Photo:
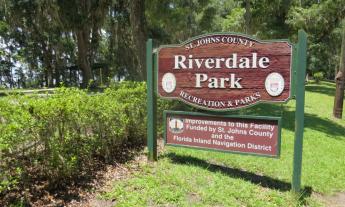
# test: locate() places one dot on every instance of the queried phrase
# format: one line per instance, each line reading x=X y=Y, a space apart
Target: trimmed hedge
x=59 y=135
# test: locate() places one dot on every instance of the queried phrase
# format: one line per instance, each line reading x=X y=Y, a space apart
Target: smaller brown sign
x=248 y=135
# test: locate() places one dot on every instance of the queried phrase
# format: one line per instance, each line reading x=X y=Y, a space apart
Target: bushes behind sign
x=61 y=134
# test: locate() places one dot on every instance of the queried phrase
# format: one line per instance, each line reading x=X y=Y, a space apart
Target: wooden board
x=245 y=135
x=230 y=83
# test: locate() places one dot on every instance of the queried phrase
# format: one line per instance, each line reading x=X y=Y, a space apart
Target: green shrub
x=61 y=134
x=318 y=76
x=132 y=96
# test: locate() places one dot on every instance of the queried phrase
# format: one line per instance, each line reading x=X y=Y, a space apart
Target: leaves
x=63 y=132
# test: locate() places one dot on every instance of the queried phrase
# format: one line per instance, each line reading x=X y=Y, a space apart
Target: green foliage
x=132 y=95
x=234 y=22
x=323 y=23
x=9 y=178
x=44 y=38
x=176 y=21
x=318 y=76
x=59 y=135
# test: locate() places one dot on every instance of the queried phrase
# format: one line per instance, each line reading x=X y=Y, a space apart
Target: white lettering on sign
x=217 y=39
x=246 y=135
x=216 y=104
x=231 y=82
x=232 y=62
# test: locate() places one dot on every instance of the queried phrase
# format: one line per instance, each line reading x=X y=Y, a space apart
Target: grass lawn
x=187 y=177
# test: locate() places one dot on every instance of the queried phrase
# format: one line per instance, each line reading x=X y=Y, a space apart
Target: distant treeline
x=91 y=43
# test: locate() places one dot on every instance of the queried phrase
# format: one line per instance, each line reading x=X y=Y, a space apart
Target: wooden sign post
x=301 y=64
x=224 y=72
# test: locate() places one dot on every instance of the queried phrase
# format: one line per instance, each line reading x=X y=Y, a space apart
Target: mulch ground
x=80 y=191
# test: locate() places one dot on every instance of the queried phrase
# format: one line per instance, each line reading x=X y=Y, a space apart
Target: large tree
x=84 y=18
x=340 y=82
x=57 y=39
x=139 y=35
x=322 y=21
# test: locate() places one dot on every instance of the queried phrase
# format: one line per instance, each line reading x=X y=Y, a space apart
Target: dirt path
x=336 y=200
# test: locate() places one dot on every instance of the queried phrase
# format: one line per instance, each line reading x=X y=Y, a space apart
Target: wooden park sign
x=225 y=72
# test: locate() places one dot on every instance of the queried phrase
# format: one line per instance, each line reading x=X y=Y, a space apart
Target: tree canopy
x=86 y=42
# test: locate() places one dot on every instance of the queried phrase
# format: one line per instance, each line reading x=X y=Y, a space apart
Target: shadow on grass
x=262 y=180
x=316 y=123
x=320 y=89
x=311 y=121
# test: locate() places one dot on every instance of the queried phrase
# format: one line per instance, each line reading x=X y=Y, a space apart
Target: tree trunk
x=84 y=65
x=49 y=78
x=340 y=82
x=248 y=17
x=57 y=72
x=47 y=59
x=58 y=65
x=138 y=26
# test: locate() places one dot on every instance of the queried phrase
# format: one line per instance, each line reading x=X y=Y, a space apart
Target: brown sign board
x=225 y=71
x=247 y=135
